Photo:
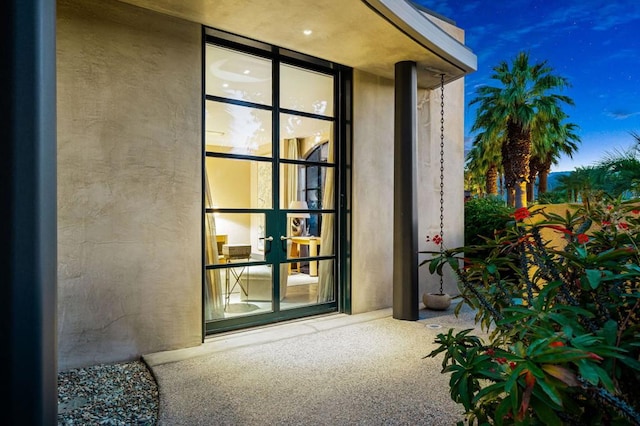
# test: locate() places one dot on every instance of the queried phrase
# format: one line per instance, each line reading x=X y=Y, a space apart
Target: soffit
x=370 y=35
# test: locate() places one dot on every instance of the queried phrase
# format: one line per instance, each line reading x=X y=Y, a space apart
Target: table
x=313 y=243
x=231 y=252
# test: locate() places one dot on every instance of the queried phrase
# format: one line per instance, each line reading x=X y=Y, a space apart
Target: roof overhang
x=370 y=35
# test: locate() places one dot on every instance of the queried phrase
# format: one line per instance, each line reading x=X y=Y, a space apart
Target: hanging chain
x=441 y=173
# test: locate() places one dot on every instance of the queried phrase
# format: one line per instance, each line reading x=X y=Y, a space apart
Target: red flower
x=623 y=225
x=501 y=360
x=491 y=352
x=583 y=238
x=606 y=223
x=437 y=239
x=522 y=213
x=635 y=211
x=512 y=365
x=556 y=344
x=609 y=207
x=595 y=357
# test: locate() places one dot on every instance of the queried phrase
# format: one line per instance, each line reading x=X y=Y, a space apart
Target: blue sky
x=593 y=43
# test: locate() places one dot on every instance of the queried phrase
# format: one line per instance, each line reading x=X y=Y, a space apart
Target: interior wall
x=129 y=182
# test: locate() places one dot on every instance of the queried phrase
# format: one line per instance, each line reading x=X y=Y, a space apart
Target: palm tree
x=548 y=144
x=513 y=109
x=580 y=183
x=484 y=159
x=622 y=169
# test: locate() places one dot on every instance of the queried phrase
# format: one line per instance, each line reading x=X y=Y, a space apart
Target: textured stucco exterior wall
x=428 y=159
x=373 y=152
x=372 y=193
x=129 y=182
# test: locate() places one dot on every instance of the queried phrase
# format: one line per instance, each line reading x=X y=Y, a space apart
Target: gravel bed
x=108 y=394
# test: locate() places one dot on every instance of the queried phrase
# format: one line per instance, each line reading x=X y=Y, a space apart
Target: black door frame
x=275 y=226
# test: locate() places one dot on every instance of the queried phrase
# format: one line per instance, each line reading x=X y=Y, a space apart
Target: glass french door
x=270 y=211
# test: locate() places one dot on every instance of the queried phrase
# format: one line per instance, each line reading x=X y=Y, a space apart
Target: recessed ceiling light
x=307 y=32
x=245 y=72
x=225 y=84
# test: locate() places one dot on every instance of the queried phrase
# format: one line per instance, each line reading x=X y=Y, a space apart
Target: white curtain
x=325 y=268
x=293 y=153
x=291 y=194
x=214 y=302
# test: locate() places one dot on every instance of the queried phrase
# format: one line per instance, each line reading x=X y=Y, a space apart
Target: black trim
x=238 y=156
x=340 y=74
x=307 y=114
x=203 y=165
x=237 y=102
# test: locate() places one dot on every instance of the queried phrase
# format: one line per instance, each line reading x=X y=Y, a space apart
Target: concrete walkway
x=365 y=369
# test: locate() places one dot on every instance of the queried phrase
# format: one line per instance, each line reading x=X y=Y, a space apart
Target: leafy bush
x=552 y=197
x=482 y=216
x=563 y=322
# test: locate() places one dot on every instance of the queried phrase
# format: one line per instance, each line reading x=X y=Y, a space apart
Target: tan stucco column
x=405 y=219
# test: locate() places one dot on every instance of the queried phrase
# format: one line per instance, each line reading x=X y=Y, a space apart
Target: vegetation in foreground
x=564 y=341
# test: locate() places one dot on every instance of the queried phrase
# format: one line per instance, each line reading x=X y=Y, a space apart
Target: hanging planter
x=436 y=301
x=439 y=301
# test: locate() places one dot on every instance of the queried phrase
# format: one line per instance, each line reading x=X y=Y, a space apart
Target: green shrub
x=564 y=322
x=482 y=216
x=552 y=197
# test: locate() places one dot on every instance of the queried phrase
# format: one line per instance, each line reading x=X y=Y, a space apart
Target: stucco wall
x=129 y=182
x=372 y=193
x=372 y=215
x=428 y=159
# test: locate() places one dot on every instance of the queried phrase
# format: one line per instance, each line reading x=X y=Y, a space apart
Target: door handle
x=267 y=248
x=283 y=238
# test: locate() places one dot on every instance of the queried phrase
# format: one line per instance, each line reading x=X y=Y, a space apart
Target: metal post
x=28 y=200
x=405 y=219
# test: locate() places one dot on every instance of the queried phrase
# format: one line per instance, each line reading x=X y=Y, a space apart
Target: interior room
x=240 y=184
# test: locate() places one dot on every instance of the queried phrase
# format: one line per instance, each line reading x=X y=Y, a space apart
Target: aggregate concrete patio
x=365 y=369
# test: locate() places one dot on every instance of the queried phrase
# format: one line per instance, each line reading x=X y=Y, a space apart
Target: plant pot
x=436 y=301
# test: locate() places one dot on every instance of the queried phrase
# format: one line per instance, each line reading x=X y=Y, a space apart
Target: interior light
x=225 y=85
x=307 y=32
x=246 y=72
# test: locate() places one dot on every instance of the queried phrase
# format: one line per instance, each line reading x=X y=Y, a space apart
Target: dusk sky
x=593 y=43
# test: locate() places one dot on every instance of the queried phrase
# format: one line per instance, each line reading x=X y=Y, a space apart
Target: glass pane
x=301 y=135
x=304 y=288
x=305 y=232
x=246 y=290
x=239 y=184
x=305 y=90
x=237 y=236
x=237 y=75
x=315 y=189
x=237 y=129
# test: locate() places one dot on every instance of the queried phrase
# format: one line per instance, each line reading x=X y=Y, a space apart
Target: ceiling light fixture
x=307 y=32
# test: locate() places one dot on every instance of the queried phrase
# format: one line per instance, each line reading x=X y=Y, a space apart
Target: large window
x=271 y=183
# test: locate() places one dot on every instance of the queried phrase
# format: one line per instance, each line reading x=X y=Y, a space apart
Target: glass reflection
x=301 y=135
x=237 y=129
x=306 y=91
x=237 y=75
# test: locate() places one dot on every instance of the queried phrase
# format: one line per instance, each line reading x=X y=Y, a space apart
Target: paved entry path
x=365 y=369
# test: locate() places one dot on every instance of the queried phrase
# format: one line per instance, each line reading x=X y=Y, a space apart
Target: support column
x=28 y=198
x=405 y=218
